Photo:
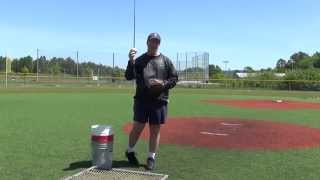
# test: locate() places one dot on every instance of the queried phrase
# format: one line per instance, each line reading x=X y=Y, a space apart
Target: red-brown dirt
x=225 y=133
x=266 y=104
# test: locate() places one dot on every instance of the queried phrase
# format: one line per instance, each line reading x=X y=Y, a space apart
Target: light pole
x=112 y=74
x=134 y=30
x=134 y=23
x=226 y=65
x=37 y=65
x=6 y=70
x=77 y=56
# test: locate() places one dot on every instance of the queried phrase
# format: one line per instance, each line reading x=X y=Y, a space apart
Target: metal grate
x=115 y=174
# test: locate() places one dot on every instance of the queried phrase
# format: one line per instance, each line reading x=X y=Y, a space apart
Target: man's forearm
x=171 y=82
x=173 y=77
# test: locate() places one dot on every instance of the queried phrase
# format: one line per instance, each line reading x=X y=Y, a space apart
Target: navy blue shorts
x=150 y=112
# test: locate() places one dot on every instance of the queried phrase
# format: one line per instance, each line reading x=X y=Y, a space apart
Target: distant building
x=245 y=75
x=280 y=74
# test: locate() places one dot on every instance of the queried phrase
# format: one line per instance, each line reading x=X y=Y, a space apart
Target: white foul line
x=214 y=134
x=227 y=124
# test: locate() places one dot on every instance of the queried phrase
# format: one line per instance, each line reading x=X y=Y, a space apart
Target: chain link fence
x=193 y=66
x=44 y=68
x=78 y=68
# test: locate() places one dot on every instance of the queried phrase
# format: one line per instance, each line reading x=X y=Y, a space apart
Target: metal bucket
x=101 y=146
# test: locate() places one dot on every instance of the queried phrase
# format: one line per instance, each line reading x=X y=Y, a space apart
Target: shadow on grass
x=78 y=165
x=88 y=164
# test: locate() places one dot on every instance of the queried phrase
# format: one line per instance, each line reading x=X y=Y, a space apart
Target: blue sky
x=255 y=33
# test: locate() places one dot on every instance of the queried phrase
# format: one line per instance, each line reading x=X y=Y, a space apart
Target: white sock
x=130 y=149
x=152 y=155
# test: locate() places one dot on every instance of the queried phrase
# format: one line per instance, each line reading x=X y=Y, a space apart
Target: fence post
x=177 y=64
x=112 y=74
x=289 y=85
x=6 y=70
x=186 y=70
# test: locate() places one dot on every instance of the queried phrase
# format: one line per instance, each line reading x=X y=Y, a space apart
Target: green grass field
x=43 y=131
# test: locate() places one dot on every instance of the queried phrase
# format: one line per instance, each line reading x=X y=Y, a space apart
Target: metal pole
x=48 y=67
x=99 y=73
x=202 y=67
x=134 y=23
x=112 y=65
x=208 y=62
x=177 y=59
x=207 y=67
x=178 y=64
x=186 y=66
x=98 y=84
x=179 y=67
x=6 y=71
x=112 y=62
x=77 y=64
x=226 y=65
x=196 y=67
x=37 y=64
x=134 y=30
x=17 y=67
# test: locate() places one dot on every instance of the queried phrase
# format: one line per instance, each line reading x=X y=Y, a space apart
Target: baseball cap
x=154 y=36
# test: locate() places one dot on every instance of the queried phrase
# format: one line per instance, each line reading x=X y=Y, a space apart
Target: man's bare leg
x=153 y=145
x=135 y=134
x=133 y=139
x=154 y=139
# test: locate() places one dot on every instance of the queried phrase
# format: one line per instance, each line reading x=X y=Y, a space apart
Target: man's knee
x=138 y=127
x=154 y=129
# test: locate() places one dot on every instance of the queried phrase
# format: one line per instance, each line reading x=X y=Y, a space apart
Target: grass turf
x=43 y=131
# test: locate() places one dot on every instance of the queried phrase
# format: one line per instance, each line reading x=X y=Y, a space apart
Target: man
x=155 y=75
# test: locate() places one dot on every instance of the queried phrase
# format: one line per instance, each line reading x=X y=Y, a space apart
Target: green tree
x=57 y=65
x=15 y=66
x=281 y=65
x=296 y=57
x=306 y=63
x=26 y=62
x=316 y=60
x=300 y=75
x=248 y=69
x=316 y=54
x=316 y=63
x=290 y=65
x=43 y=65
x=2 y=64
x=55 y=69
x=25 y=72
x=215 y=72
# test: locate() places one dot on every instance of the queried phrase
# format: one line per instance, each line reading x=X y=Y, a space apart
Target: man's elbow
x=128 y=78
x=176 y=79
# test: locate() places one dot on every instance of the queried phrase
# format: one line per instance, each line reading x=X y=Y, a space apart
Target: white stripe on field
x=214 y=134
x=227 y=124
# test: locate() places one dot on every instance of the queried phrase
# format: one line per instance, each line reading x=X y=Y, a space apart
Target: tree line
x=297 y=63
x=301 y=72
x=58 y=66
x=299 y=60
